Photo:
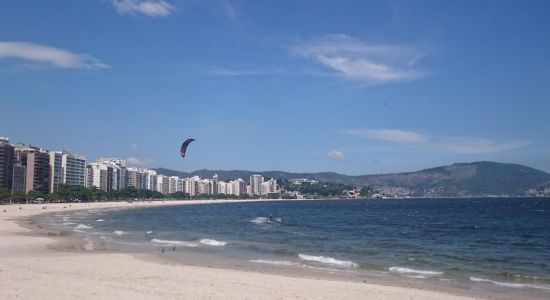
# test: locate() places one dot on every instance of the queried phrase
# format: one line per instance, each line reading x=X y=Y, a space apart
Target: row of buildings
x=25 y=168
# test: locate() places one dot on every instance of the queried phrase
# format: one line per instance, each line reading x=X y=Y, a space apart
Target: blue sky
x=356 y=87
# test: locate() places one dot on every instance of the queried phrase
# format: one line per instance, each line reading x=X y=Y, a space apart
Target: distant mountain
x=459 y=179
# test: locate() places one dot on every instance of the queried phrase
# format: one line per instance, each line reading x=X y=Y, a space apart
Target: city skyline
x=31 y=170
x=362 y=88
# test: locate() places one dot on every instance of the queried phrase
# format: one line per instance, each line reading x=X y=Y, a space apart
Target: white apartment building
x=256 y=184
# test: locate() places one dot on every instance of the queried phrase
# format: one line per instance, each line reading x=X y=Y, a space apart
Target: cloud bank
x=416 y=141
x=51 y=56
x=356 y=60
x=148 y=8
x=135 y=161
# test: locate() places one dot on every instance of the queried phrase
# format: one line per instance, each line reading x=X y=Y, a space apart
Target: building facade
x=37 y=164
x=256 y=184
x=7 y=159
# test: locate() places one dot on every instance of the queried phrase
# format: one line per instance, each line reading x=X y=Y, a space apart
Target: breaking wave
x=274 y=262
x=511 y=284
x=211 y=242
x=328 y=260
x=173 y=242
x=414 y=273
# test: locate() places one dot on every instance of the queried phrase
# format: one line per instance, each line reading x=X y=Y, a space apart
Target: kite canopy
x=183 y=148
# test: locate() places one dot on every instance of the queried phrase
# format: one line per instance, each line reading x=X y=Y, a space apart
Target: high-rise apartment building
x=173 y=184
x=269 y=187
x=37 y=165
x=102 y=176
x=239 y=187
x=7 y=158
x=136 y=178
x=119 y=165
x=19 y=178
x=256 y=184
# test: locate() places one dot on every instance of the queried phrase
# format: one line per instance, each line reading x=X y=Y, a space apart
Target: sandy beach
x=30 y=268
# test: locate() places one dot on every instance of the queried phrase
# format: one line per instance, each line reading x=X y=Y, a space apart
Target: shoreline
x=26 y=249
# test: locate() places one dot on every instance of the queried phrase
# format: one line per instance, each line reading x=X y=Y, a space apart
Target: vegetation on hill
x=461 y=179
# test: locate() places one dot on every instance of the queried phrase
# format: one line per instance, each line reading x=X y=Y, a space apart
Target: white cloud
x=56 y=57
x=335 y=155
x=353 y=59
x=414 y=141
x=138 y=161
x=149 y=8
x=389 y=135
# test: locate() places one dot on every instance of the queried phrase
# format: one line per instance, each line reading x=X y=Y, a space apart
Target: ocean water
x=490 y=242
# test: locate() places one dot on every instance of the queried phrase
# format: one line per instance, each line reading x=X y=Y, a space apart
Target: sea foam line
x=413 y=272
x=328 y=260
x=120 y=232
x=274 y=262
x=511 y=284
x=83 y=226
x=173 y=242
x=211 y=242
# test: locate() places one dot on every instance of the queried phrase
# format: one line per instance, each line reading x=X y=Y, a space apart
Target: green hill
x=459 y=179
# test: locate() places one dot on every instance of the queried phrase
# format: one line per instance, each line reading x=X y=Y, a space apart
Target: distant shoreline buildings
x=25 y=168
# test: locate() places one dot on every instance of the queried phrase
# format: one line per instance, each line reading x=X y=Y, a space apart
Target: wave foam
x=214 y=243
x=510 y=284
x=171 y=242
x=328 y=260
x=99 y=220
x=120 y=232
x=264 y=220
x=412 y=272
x=274 y=262
x=83 y=226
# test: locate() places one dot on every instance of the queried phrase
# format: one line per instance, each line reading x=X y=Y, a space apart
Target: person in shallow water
x=270 y=218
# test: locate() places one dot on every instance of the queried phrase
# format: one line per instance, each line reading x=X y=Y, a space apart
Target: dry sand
x=31 y=269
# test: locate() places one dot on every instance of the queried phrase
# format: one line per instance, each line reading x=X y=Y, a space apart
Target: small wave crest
x=274 y=262
x=173 y=242
x=120 y=232
x=328 y=260
x=83 y=226
x=99 y=220
x=414 y=273
x=511 y=284
x=264 y=220
x=211 y=242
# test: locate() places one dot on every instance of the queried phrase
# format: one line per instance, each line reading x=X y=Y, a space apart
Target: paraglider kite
x=183 y=148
